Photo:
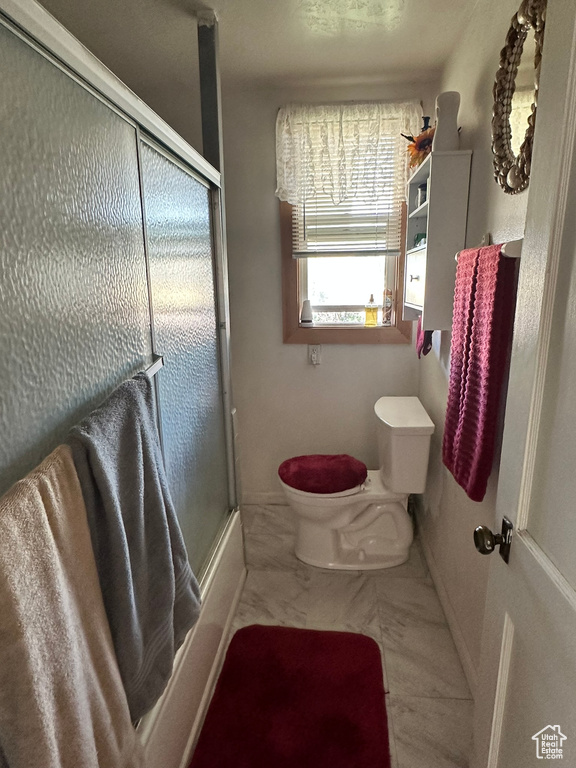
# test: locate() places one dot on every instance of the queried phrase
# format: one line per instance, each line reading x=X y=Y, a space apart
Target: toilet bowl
x=360 y=520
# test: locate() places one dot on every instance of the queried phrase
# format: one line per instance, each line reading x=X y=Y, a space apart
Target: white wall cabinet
x=436 y=231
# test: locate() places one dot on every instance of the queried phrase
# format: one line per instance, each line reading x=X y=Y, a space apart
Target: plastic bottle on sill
x=387 y=308
x=371 y=313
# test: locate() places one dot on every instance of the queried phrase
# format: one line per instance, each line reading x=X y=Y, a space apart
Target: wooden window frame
x=400 y=333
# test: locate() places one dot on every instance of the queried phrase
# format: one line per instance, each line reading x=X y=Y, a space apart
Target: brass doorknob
x=486 y=542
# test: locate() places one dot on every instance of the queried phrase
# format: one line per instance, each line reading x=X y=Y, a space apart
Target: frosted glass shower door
x=179 y=241
x=74 y=318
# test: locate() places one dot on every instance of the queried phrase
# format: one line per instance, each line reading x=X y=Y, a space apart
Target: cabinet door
x=180 y=251
x=415 y=278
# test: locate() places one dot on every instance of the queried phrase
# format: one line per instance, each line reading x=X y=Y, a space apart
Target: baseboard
x=264 y=498
x=457 y=635
x=169 y=731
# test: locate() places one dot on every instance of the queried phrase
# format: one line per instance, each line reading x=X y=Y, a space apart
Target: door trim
x=501 y=691
x=553 y=574
x=566 y=150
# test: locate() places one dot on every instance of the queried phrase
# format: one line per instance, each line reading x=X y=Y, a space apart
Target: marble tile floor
x=428 y=700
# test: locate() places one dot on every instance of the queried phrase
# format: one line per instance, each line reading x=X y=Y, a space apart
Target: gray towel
x=150 y=594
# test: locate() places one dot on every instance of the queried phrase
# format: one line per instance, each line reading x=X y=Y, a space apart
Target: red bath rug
x=296 y=698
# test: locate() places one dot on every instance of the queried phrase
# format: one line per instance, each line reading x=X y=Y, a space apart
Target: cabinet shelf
x=421 y=173
x=416 y=250
x=420 y=212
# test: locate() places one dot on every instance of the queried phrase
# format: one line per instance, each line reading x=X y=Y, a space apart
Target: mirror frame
x=510 y=171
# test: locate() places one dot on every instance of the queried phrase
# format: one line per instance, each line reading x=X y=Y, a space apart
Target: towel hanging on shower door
x=151 y=596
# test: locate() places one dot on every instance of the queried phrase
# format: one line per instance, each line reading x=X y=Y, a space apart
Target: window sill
x=351 y=335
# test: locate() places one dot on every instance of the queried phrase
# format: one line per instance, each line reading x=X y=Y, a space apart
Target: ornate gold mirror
x=516 y=97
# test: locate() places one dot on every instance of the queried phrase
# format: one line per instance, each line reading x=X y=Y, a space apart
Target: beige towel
x=62 y=704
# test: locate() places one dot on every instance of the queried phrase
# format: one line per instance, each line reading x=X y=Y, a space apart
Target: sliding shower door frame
x=222 y=304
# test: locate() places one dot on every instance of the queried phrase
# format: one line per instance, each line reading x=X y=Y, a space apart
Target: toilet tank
x=404 y=430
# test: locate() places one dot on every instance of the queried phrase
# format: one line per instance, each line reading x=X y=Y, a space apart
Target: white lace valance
x=338 y=149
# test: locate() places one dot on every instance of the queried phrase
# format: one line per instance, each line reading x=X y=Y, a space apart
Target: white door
x=526 y=703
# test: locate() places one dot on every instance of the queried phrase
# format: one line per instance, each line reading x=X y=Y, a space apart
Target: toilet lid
x=320 y=473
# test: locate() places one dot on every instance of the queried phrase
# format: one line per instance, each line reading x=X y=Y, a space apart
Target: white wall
x=286 y=406
x=449 y=517
x=152 y=47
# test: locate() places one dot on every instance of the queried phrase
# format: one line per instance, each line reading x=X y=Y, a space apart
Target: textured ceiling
x=276 y=41
x=299 y=40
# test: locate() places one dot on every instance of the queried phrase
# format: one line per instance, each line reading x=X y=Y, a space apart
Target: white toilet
x=366 y=525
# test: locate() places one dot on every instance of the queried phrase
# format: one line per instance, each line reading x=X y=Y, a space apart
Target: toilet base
x=384 y=543
x=358 y=561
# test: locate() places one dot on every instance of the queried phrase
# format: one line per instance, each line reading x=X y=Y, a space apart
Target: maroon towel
x=484 y=300
x=423 y=339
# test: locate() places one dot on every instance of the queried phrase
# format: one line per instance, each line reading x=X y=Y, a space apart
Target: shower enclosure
x=107 y=257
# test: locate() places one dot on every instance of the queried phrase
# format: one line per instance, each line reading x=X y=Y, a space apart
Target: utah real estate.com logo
x=549 y=743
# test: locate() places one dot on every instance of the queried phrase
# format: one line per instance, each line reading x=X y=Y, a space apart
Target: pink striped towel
x=484 y=301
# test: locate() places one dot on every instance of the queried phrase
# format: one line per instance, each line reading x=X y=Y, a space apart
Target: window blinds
x=359 y=224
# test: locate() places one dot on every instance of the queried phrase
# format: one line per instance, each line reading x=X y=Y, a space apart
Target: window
x=343 y=256
x=342 y=168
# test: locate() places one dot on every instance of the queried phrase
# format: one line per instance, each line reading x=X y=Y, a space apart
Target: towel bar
x=512 y=249
x=153 y=369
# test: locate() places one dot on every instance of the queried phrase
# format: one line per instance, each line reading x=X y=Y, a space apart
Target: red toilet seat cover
x=323 y=474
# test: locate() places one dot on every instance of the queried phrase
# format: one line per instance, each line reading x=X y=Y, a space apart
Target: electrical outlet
x=314 y=354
